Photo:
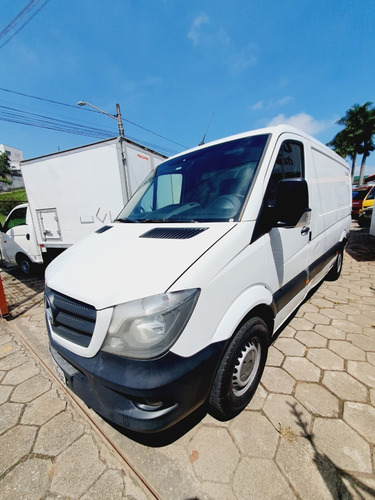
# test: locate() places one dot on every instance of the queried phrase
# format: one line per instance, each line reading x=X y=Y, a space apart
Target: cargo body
x=74 y=192
x=210 y=257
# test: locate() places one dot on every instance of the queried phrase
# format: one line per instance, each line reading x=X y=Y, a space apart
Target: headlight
x=148 y=327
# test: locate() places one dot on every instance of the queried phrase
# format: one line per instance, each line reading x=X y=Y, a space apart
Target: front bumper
x=140 y=395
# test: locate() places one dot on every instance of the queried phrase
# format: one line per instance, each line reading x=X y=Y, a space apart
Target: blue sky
x=170 y=64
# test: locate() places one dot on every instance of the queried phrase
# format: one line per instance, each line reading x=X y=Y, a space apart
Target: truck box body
x=72 y=193
x=209 y=258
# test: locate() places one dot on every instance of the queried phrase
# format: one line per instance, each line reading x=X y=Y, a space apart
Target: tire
x=240 y=370
x=335 y=272
x=25 y=264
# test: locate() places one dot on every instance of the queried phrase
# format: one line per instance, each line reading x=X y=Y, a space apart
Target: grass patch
x=9 y=200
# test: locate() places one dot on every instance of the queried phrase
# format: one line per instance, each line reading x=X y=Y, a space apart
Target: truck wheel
x=335 y=272
x=240 y=370
x=25 y=264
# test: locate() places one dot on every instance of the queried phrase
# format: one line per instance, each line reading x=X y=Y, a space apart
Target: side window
x=18 y=218
x=289 y=164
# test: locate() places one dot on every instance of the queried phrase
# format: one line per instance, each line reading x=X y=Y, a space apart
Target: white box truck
x=72 y=193
x=209 y=258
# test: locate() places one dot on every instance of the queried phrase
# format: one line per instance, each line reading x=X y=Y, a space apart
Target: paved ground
x=308 y=433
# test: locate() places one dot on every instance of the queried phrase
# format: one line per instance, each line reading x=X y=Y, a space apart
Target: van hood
x=124 y=262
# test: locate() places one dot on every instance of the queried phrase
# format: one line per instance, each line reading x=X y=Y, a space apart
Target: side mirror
x=292 y=203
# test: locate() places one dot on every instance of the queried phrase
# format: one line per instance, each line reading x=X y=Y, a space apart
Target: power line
x=18 y=18
x=90 y=111
x=13 y=115
x=37 y=120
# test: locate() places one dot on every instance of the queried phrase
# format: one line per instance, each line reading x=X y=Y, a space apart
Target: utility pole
x=120 y=125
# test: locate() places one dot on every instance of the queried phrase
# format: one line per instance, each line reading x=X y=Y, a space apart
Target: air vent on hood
x=103 y=229
x=173 y=233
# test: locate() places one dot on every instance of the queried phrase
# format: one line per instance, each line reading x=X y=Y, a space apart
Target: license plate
x=60 y=374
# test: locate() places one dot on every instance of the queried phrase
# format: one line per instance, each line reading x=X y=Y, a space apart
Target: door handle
x=305 y=230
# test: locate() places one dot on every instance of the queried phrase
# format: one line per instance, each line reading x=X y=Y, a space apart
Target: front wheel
x=240 y=370
x=25 y=264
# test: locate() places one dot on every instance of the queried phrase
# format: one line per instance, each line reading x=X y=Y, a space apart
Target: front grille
x=69 y=318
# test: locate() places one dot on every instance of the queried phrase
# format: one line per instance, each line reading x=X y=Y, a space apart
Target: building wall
x=15 y=156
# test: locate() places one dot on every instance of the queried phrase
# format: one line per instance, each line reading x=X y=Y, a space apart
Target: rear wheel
x=335 y=272
x=240 y=370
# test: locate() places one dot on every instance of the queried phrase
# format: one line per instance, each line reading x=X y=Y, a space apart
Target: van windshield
x=206 y=185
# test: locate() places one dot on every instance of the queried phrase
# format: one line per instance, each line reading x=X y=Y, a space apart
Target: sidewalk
x=47 y=446
x=308 y=433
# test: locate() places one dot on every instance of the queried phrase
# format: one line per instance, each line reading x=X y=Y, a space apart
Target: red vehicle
x=359 y=194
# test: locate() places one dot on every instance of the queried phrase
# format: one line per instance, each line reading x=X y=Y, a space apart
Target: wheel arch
x=20 y=255
x=255 y=301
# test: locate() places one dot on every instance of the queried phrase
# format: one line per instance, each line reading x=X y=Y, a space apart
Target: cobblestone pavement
x=308 y=433
x=48 y=450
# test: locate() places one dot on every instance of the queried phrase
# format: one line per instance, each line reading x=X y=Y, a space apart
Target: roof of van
x=274 y=130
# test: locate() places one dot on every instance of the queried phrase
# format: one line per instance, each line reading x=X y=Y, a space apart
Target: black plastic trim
x=119 y=389
x=173 y=233
x=285 y=294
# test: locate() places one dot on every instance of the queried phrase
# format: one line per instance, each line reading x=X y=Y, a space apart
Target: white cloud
x=284 y=100
x=303 y=121
x=242 y=59
x=237 y=59
x=257 y=106
x=195 y=32
x=271 y=104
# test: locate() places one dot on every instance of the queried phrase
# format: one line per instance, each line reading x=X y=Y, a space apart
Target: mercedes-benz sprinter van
x=174 y=304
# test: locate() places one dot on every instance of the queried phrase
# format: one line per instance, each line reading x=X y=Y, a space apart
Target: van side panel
x=335 y=195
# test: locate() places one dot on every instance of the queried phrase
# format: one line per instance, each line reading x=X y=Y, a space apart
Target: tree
x=4 y=165
x=343 y=145
x=357 y=136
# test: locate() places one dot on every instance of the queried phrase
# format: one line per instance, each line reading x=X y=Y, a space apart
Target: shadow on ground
x=361 y=245
x=21 y=292
x=336 y=479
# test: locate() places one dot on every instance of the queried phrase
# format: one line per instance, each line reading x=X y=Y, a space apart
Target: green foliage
x=357 y=136
x=4 y=165
x=10 y=200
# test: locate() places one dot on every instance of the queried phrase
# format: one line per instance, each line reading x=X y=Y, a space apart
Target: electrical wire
x=18 y=18
x=33 y=119
x=13 y=115
x=91 y=111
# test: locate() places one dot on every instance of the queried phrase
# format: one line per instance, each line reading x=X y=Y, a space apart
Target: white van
x=18 y=241
x=175 y=303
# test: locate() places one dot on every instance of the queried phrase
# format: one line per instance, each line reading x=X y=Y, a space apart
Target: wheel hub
x=246 y=367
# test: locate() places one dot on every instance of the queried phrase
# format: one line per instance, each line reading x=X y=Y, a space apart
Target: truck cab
x=18 y=240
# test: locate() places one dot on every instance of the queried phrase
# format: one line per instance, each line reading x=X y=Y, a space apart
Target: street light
x=116 y=117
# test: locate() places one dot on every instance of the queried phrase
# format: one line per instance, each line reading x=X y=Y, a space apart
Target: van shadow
x=333 y=476
x=361 y=245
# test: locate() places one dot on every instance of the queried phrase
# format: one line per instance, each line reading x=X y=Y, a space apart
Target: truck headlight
x=147 y=327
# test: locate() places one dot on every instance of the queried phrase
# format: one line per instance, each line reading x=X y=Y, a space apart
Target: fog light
x=150 y=405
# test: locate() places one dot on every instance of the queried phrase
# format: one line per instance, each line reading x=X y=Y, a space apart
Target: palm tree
x=343 y=145
x=357 y=136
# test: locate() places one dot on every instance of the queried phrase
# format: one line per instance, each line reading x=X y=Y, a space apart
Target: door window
x=289 y=164
x=17 y=218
